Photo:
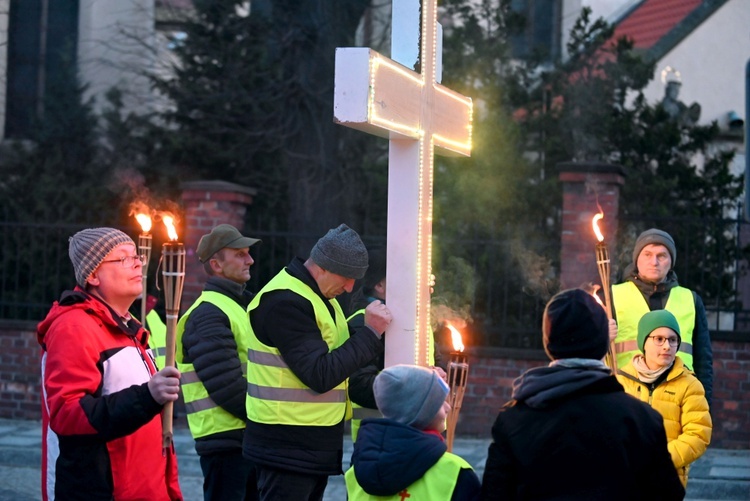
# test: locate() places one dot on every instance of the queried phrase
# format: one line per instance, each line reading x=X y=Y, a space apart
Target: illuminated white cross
x=418 y=115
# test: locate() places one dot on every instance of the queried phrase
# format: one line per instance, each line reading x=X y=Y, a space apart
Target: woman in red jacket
x=102 y=396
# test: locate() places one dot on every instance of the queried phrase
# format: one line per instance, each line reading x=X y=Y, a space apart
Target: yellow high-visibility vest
x=630 y=306
x=358 y=312
x=157 y=341
x=204 y=416
x=437 y=484
x=275 y=395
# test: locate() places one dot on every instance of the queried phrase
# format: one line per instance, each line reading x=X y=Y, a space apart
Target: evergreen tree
x=253 y=104
x=52 y=184
x=530 y=115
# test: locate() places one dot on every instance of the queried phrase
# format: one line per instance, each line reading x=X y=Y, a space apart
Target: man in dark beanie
x=651 y=284
x=301 y=352
x=570 y=431
x=102 y=394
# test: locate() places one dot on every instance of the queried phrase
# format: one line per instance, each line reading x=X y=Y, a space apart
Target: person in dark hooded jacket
x=571 y=431
x=403 y=455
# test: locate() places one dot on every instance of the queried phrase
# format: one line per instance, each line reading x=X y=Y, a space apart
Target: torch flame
x=458 y=344
x=145 y=221
x=169 y=223
x=595 y=225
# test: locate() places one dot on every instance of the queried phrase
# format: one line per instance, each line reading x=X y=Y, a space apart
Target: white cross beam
x=384 y=97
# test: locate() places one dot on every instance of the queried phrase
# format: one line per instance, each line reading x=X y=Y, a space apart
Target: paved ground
x=719 y=475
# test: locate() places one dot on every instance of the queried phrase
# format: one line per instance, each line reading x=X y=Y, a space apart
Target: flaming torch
x=173 y=276
x=602 y=263
x=458 y=373
x=144 y=249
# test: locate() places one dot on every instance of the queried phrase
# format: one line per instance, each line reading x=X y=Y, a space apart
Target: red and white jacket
x=102 y=433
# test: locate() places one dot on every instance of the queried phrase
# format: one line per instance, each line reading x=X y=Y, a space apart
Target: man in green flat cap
x=211 y=354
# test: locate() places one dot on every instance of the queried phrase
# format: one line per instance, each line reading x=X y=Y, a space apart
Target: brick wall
x=19 y=371
x=731 y=397
x=491 y=375
x=587 y=188
x=208 y=204
x=492 y=372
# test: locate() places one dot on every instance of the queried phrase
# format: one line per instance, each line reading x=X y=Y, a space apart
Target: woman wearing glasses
x=102 y=394
x=658 y=377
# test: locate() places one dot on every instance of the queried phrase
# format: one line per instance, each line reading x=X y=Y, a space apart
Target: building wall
x=711 y=61
x=116 y=46
x=491 y=375
x=4 y=7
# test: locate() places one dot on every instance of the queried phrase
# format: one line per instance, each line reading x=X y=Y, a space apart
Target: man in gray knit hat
x=651 y=284
x=301 y=353
x=102 y=392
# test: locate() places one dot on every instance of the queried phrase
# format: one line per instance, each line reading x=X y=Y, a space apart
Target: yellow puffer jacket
x=681 y=401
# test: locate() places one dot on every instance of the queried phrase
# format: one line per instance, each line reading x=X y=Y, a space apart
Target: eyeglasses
x=659 y=340
x=127 y=261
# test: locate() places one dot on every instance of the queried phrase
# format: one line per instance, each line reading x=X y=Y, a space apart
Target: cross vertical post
x=387 y=98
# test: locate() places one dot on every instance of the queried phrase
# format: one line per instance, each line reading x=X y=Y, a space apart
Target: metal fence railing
x=504 y=304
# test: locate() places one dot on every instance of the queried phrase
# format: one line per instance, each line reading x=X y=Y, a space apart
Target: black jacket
x=360 y=383
x=208 y=343
x=286 y=320
x=573 y=433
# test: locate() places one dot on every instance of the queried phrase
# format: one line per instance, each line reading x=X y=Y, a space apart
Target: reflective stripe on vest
x=275 y=395
x=630 y=306
x=358 y=414
x=203 y=415
x=157 y=341
x=437 y=484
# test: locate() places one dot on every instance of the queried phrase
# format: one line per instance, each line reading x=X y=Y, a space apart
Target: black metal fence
x=500 y=285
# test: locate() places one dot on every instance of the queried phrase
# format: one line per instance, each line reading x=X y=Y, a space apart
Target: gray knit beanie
x=409 y=394
x=88 y=248
x=342 y=252
x=657 y=237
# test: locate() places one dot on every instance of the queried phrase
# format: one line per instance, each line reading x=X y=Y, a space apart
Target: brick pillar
x=207 y=204
x=585 y=185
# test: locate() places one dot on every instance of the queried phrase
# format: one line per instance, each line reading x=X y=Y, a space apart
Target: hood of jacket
x=544 y=386
x=390 y=456
x=78 y=299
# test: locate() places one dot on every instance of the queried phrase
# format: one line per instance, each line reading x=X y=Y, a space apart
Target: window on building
x=42 y=41
x=541 y=33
